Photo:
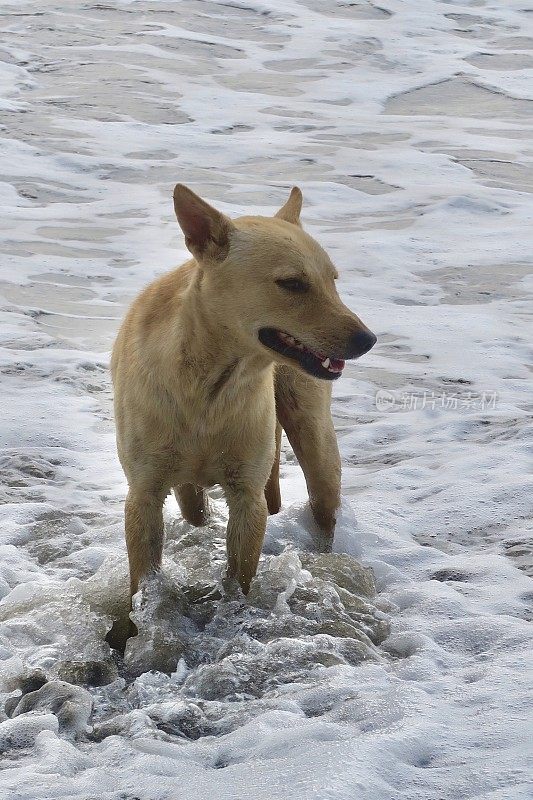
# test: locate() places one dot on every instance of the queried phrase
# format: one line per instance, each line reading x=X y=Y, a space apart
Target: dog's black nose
x=360 y=343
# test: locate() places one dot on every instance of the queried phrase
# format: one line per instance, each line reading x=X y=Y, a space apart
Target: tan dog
x=250 y=328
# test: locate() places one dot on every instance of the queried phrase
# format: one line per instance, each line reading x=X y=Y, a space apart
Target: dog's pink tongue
x=338 y=364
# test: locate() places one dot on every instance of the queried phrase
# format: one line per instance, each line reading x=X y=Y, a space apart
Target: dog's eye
x=293 y=284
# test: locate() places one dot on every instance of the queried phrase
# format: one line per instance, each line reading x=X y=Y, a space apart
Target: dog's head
x=272 y=286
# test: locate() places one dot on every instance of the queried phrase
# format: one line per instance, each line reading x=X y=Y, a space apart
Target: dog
x=212 y=361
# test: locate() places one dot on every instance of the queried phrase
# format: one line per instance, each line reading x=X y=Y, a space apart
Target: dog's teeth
x=326 y=363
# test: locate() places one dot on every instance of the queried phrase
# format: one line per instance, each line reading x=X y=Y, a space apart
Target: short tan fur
x=212 y=361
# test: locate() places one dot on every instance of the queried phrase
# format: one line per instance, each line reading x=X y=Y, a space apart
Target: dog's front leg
x=315 y=446
x=303 y=408
x=144 y=532
x=246 y=531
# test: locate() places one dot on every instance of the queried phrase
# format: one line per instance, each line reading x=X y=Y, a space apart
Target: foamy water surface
x=398 y=665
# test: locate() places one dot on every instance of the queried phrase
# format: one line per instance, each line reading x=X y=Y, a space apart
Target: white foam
x=415 y=166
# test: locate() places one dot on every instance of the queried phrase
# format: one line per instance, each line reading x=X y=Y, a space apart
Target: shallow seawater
x=397 y=665
x=200 y=643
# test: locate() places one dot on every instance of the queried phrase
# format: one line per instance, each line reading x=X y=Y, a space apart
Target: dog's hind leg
x=303 y=408
x=272 y=490
x=193 y=503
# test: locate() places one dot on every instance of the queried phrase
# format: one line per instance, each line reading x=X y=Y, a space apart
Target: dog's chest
x=212 y=447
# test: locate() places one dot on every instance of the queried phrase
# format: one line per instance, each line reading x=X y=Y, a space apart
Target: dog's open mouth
x=320 y=365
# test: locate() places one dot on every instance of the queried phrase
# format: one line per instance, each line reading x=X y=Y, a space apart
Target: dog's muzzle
x=318 y=364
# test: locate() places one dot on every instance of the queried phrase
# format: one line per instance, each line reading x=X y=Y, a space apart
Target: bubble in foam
x=71 y=705
x=23 y=731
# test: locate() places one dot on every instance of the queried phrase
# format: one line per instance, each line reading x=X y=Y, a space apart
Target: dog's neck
x=212 y=350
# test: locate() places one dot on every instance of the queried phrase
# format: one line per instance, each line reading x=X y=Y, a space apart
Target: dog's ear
x=207 y=231
x=290 y=212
